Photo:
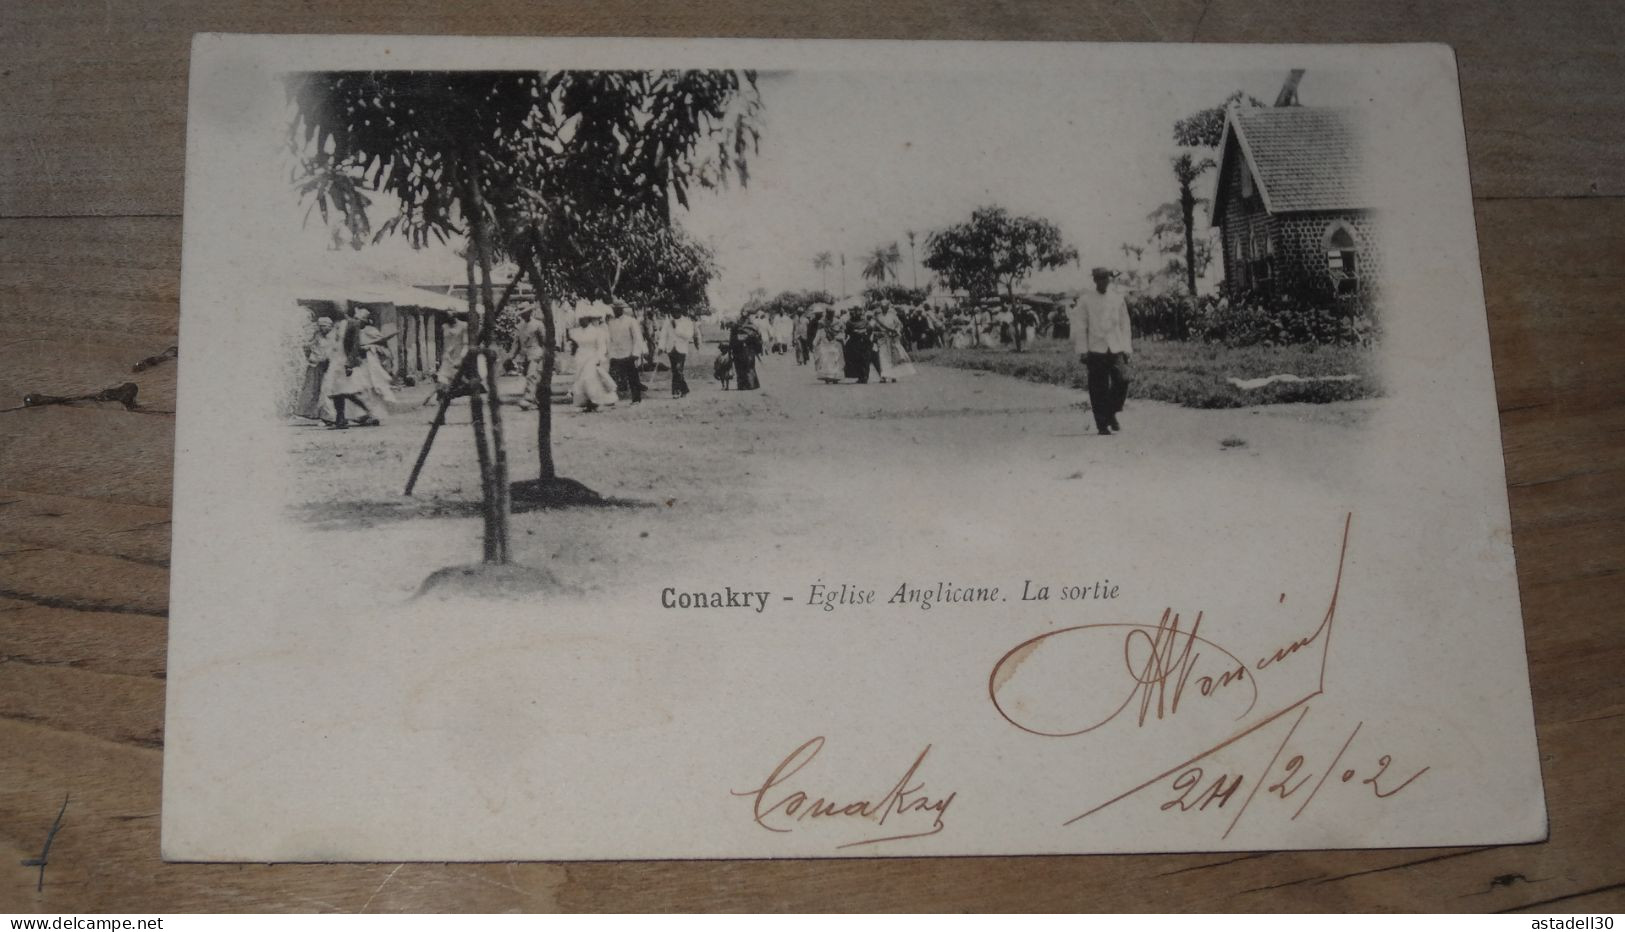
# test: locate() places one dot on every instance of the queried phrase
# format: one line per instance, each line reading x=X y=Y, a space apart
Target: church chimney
x=1289 y=91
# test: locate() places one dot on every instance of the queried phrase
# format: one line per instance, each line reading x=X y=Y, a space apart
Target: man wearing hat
x=676 y=336
x=532 y=340
x=1101 y=336
x=625 y=346
x=454 y=348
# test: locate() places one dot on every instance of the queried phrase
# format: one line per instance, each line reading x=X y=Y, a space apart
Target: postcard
x=753 y=449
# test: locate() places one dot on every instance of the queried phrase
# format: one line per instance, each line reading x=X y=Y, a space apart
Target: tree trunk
x=544 y=394
x=475 y=212
x=1015 y=317
x=476 y=409
x=544 y=404
x=1187 y=207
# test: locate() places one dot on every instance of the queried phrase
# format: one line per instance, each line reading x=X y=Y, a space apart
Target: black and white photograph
x=752 y=280
x=833 y=449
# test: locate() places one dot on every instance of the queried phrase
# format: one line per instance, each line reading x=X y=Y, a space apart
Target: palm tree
x=913 y=260
x=843 y=274
x=882 y=263
x=822 y=262
x=1186 y=171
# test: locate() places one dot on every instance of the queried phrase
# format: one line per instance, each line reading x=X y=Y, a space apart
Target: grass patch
x=1190 y=374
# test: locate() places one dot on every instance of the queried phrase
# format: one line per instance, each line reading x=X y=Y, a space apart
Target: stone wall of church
x=1301 y=244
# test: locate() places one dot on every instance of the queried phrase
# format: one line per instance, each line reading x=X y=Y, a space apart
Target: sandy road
x=723 y=486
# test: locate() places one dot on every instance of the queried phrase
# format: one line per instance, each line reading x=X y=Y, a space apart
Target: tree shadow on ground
x=526 y=496
x=543 y=494
x=493 y=581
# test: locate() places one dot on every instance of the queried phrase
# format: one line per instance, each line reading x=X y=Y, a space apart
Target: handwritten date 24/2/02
x=1290 y=777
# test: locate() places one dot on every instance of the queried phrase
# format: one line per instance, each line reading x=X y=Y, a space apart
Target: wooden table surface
x=92 y=123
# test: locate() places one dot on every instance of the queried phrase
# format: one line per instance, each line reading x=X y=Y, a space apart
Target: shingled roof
x=1303 y=158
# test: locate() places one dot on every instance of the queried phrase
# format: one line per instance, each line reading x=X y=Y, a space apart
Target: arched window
x=1342 y=262
x=1260 y=255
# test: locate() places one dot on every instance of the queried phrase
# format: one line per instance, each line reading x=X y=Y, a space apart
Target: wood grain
x=90 y=198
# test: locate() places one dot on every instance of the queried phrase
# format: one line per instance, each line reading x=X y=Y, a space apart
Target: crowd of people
x=990 y=324
x=345 y=372
x=607 y=348
x=858 y=345
x=611 y=347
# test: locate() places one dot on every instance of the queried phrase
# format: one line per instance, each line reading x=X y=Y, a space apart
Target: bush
x=1304 y=318
x=1164 y=316
x=792 y=302
x=1192 y=374
x=895 y=294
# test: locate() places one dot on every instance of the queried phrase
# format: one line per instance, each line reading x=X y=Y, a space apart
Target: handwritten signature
x=1107 y=669
x=778 y=807
x=1159 y=662
x=1157 y=671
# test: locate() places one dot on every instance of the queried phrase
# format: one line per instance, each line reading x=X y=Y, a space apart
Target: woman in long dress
x=370 y=379
x=784 y=333
x=887 y=330
x=350 y=379
x=987 y=330
x=859 y=348
x=829 y=360
x=313 y=401
x=593 y=385
x=744 y=345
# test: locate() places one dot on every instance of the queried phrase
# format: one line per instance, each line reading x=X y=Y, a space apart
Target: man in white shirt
x=1102 y=337
x=676 y=336
x=454 y=349
x=532 y=340
x=625 y=345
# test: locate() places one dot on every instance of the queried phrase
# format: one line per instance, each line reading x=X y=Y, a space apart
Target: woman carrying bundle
x=744 y=345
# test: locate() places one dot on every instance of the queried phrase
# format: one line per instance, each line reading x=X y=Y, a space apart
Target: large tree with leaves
x=1204 y=129
x=995 y=252
x=621 y=146
x=501 y=158
x=635 y=256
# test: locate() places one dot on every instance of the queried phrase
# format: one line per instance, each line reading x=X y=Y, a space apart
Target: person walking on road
x=829 y=354
x=354 y=371
x=593 y=387
x=314 y=402
x=1101 y=335
x=678 y=334
x=532 y=339
x=745 y=343
x=625 y=346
